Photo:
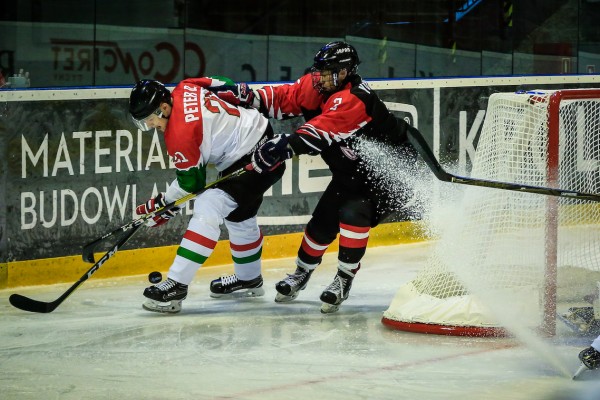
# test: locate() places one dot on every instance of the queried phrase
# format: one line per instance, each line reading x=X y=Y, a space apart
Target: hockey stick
x=422 y=147
x=27 y=304
x=88 y=249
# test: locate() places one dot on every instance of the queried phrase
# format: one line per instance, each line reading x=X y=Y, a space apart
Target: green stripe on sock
x=247 y=259
x=190 y=255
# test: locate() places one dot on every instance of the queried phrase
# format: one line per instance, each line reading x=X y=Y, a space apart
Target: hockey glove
x=246 y=96
x=272 y=153
x=153 y=205
x=238 y=94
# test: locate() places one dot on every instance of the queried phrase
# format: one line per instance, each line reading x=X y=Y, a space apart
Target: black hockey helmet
x=334 y=57
x=145 y=99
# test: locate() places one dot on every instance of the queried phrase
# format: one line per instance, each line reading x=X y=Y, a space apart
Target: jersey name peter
x=204 y=129
x=191 y=105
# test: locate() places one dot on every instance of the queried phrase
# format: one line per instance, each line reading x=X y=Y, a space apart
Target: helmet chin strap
x=335 y=80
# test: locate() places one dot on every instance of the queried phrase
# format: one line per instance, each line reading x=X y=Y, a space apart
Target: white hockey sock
x=349 y=268
x=304 y=265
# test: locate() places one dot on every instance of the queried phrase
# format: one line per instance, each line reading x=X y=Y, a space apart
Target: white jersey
x=204 y=129
x=228 y=138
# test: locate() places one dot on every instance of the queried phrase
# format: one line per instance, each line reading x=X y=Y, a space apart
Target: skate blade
x=282 y=298
x=327 y=308
x=579 y=371
x=254 y=292
x=169 y=307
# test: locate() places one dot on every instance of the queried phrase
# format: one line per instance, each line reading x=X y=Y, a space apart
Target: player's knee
x=356 y=212
x=319 y=233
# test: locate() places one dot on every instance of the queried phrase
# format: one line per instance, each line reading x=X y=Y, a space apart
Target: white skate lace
x=295 y=279
x=337 y=286
x=227 y=280
x=166 y=285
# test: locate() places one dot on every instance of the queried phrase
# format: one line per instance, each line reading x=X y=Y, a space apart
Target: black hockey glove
x=272 y=153
x=153 y=205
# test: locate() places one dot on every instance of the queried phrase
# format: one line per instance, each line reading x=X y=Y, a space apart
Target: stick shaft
x=27 y=304
x=88 y=250
x=422 y=147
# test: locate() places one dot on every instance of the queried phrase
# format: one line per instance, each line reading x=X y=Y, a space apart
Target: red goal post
x=538 y=255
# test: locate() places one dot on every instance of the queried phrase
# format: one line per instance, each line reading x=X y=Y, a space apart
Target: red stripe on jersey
x=266 y=95
x=353 y=243
x=201 y=240
x=357 y=229
x=248 y=246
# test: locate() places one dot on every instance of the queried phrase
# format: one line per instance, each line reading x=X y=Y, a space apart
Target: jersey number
x=336 y=102
x=212 y=103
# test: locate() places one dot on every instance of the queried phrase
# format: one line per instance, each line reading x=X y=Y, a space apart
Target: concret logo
x=81 y=56
x=178 y=157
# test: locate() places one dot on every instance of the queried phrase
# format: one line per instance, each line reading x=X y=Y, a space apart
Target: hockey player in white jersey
x=200 y=129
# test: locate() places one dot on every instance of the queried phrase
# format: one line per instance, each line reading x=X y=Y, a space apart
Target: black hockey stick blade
x=27 y=304
x=424 y=150
x=87 y=253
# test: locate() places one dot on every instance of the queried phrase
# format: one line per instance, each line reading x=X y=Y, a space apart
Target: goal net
x=511 y=254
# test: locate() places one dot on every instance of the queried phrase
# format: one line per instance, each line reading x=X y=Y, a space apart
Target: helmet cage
x=334 y=57
x=318 y=85
x=142 y=123
x=145 y=100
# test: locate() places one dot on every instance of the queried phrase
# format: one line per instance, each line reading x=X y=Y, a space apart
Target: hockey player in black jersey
x=338 y=107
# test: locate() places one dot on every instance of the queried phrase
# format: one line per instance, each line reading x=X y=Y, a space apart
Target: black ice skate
x=165 y=297
x=230 y=286
x=336 y=292
x=289 y=288
x=590 y=359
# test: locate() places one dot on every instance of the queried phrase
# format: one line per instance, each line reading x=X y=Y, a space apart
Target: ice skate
x=230 y=286
x=590 y=359
x=336 y=292
x=288 y=289
x=165 y=297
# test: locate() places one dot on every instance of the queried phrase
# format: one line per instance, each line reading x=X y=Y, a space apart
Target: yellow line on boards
x=143 y=261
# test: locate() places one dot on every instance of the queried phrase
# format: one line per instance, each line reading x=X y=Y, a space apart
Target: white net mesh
x=504 y=243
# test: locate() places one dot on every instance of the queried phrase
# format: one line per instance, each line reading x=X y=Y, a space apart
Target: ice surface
x=100 y=344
